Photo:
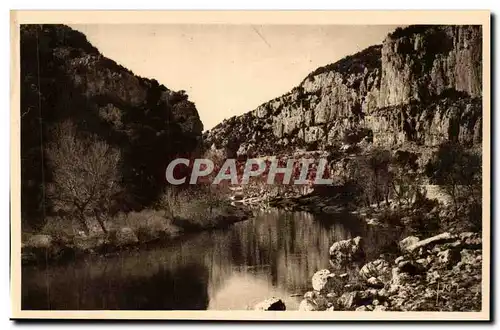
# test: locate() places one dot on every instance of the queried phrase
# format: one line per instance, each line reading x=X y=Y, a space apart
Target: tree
x=85 y=174
x=458 y=171
x=374 y=177
x=406 y=183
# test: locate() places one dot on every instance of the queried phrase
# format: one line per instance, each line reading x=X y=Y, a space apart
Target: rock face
x=63 y=76
x=422 y=86
x=423 y=61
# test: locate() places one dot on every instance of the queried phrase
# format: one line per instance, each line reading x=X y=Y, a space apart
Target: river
x=273 y=254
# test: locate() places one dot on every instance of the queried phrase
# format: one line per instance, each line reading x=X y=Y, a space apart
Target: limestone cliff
x=421 y=86
x=424 y=61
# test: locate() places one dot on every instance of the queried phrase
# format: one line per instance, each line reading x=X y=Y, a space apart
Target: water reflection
x=274 y=254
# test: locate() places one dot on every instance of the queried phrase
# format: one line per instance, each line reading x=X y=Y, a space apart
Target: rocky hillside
x=64 y=77
x=422 y=86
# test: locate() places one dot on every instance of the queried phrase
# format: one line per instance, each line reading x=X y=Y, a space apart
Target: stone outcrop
x=421 y=86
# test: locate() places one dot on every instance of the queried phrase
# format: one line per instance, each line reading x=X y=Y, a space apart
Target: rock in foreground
x=349 y=249
x=271 y=304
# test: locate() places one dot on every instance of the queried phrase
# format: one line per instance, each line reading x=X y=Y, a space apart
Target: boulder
x=307 y=305
x=374 y=282
x=323 y=280
x=378 y=268
x=424 y=262
x=348 y=300
x=399 y=277
x=367 y=296
x=407 y=242
x=448 y=257
x=380 y=308
x=410 y=268
x=271 y=304
x=349 y=249
x=382 y=293
x=399 y=259
x=313 y=300
x=444 y=237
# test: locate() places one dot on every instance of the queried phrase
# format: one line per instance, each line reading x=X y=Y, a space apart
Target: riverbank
x=439 y=273
x=59 y=242
x=437 y=266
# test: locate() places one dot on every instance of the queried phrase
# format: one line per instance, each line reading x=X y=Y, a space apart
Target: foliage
x=458 y=171
x=367 y=58
x=148 y=224
x=355 y=136
x=194 y=207
x=406 y=182
x=373 y=173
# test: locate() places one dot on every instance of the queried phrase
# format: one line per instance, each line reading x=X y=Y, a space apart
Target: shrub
x=147 y=224
x=194 y=208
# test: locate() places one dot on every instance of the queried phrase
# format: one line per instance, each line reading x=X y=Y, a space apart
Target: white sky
x=229 y=69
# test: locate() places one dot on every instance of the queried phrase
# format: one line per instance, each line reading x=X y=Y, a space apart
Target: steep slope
x=64 y=77
x=421 y=86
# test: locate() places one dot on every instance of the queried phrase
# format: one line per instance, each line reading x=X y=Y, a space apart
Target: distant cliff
x=421 y=86
x=64 y=77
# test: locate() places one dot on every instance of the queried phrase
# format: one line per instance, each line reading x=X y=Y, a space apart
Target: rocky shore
x=438 y=273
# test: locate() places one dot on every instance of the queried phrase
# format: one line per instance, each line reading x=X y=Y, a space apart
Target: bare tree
x=85 y=174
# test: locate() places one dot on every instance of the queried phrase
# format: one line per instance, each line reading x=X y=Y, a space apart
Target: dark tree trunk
x=100 y=221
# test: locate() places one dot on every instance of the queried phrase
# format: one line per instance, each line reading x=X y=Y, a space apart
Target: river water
x=273 y=254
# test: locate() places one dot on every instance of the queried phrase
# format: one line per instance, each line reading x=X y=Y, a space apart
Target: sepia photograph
x=220 y=165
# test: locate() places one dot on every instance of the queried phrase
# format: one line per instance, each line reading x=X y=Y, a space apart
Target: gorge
x=389 y=120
